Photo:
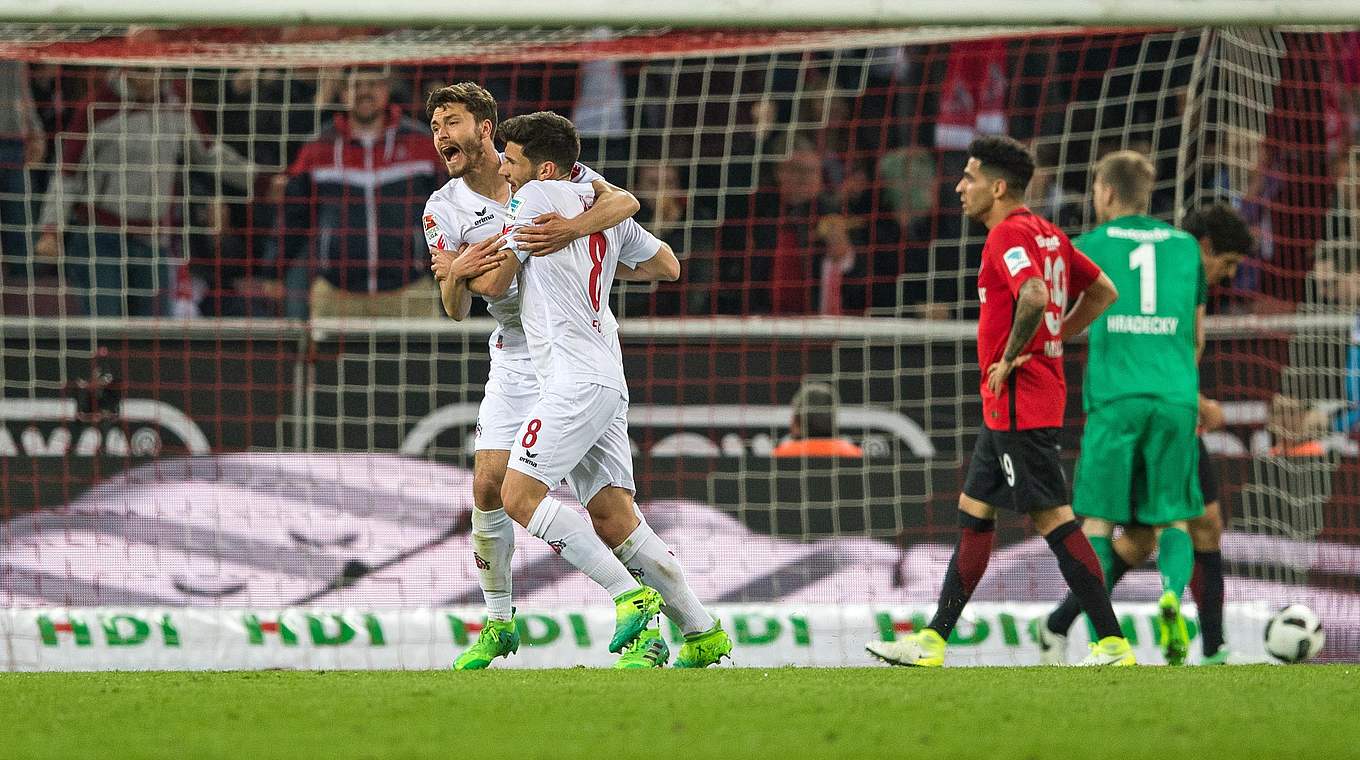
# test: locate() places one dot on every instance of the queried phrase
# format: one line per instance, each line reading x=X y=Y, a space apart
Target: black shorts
x=1018 y=470
x=1208 y=475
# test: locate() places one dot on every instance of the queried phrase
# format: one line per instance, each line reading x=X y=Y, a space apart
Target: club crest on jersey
x=1015 y=259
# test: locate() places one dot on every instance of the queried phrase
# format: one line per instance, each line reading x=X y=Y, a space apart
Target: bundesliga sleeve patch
x=432 y=232
x=515 y=203
x=1015 y=259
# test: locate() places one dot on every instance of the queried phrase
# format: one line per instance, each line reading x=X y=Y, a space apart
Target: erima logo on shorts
x=1015 y=259
x=529 y=462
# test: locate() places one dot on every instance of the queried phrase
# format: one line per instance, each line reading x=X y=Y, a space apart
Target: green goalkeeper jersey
x=1144 y=344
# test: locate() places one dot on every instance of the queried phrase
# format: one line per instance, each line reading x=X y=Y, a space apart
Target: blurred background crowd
x=790 y=184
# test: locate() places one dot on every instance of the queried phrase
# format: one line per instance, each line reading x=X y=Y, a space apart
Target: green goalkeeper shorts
x=1139 y=463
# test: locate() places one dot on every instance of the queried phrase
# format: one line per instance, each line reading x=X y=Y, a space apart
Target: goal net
x=229 y=412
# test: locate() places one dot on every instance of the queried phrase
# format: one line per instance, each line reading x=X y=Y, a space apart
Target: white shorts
x=579 y=433
x=510 y=394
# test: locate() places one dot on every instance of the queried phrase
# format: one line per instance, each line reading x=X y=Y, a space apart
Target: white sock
x=493 y=545
x=571 y=536
x=646 y=555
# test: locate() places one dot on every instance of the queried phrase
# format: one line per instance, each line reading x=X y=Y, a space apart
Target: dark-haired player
x=1224 y=240
x=1029 y=269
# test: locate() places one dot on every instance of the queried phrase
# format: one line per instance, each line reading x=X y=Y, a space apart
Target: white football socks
x=493 y=546
x=646 y=555
x=572 y=537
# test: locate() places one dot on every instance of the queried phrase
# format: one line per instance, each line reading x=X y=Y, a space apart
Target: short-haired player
x=578 y=428
x=473 y=207
x=1224 y=239
x=1029 y=270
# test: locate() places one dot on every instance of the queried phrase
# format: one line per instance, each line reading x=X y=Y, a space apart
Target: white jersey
x=454 y=215
x=564 y=297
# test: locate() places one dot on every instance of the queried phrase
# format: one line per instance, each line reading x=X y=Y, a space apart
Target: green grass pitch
x=1229 y=712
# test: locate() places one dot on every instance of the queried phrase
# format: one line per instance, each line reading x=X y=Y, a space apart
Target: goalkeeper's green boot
x=633 y=612
x=499 y=638
x=648 y=650
x=1171 y=625
x=703 y=649
x=923 y=649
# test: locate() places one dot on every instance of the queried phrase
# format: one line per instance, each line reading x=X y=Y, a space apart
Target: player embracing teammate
x=1029 y=273
x=556 y=399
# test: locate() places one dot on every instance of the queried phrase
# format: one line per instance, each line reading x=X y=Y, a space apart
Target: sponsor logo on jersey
x=1142 y=236
x=483 y=217
x=1015 y=259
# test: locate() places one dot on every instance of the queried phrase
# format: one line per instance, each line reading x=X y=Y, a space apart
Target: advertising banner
x=768 y=635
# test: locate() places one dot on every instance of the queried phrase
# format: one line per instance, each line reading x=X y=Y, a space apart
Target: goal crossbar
x=696 y=13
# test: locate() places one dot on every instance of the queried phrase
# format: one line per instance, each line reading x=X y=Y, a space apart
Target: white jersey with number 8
x=564 y=296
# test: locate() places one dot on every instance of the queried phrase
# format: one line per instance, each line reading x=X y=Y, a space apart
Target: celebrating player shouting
x=1028 y=270
x=473 y=207
x=578 y=428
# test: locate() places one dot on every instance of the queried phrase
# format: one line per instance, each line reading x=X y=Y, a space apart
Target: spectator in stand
x=788 y=245
x=812 y=431
x=876 y=238
x=667 y=213
x=22 y=143
x=352 y=205
x=109 y=214
x=1049 y=197
x=1336 y=275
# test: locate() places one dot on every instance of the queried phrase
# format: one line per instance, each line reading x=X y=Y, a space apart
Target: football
x=1294 y=634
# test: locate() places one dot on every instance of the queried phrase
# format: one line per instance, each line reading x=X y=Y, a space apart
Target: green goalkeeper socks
x=1175 y=559
x=1104 y=548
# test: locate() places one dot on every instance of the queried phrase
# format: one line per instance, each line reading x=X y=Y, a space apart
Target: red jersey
x=1021 y=247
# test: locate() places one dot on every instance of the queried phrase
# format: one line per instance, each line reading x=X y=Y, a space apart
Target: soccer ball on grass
x=1294 y=634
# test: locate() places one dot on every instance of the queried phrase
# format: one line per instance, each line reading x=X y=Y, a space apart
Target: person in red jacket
x=352 y=205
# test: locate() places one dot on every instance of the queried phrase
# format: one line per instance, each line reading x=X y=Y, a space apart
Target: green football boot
x=499 y=638
x=703 y=649
x=633 y=612
x=1171 y=625
x=648 y=650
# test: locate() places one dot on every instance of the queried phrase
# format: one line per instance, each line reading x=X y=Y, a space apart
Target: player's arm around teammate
x=613 y=209
x=549 y=233
x=453 y=269
x=663 y=267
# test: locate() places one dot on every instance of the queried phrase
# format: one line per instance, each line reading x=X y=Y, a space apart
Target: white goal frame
x=691 y=13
